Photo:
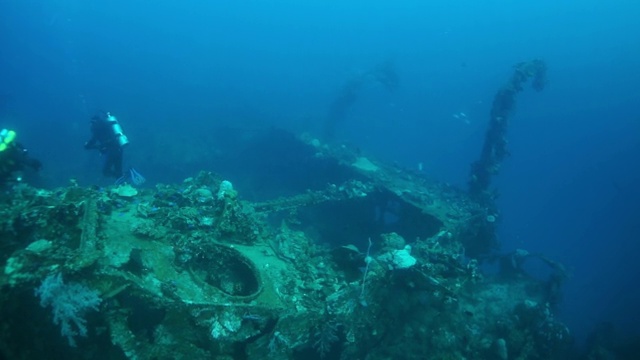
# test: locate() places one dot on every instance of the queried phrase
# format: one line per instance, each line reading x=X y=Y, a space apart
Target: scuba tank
x=117 y=130
x=6 y=138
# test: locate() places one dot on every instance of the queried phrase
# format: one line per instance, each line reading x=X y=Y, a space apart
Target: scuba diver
x=108 y=138
x=13 y=157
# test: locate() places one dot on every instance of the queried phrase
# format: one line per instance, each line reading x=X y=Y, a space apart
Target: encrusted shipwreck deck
x=314 y=252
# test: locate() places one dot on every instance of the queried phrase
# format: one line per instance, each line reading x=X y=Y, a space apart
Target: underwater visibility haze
x=320 y=179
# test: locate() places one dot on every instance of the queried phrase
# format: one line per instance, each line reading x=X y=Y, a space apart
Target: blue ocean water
x=175 y=71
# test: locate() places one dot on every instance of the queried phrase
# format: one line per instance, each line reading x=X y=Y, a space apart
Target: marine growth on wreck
x=357 y=259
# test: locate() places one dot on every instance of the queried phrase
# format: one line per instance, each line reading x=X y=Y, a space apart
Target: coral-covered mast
x=495 y=144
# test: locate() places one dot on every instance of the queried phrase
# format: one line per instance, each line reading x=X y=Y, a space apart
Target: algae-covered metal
x=330 y=255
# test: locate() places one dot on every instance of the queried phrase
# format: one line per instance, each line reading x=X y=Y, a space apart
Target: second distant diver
x=108 y=138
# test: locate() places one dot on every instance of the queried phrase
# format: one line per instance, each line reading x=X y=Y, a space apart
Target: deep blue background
x=570 y=190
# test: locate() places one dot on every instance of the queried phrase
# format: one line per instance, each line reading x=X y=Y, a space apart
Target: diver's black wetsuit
x=106 y=141
x=15 y=158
